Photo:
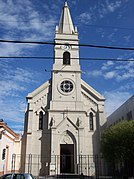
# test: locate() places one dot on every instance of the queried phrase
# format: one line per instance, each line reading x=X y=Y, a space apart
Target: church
x=64 y=115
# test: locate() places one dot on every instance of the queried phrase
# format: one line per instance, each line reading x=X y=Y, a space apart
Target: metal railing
x=64 y=165
x=42 y=165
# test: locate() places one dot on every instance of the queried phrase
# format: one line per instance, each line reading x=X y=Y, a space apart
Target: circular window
x=66 y=86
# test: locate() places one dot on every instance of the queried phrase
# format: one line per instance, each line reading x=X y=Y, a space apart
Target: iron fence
x=38 y=165
x=83 y=166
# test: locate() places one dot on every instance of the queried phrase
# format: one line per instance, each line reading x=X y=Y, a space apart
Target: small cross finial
x=66 y=3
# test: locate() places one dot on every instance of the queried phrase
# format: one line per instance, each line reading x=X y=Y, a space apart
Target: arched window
x=91 y=124
x=3 y=154
x=66 y=58
x=41 y=120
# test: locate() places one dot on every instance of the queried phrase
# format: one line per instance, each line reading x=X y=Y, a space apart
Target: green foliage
x=117 y=142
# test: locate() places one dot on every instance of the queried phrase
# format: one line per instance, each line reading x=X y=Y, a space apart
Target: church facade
x=64 y=115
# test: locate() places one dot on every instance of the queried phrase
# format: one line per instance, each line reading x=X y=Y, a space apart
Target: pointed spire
x=66 y=24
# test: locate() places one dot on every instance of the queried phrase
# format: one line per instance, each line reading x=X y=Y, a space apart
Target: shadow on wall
x=24 y=141
x=46 y=140
x=96 y=147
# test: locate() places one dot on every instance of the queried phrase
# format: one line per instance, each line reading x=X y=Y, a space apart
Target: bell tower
x=66 y=73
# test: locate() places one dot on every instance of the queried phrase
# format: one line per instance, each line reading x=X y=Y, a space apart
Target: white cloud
x=13 y=79
x=12 y=49
x=12 y=113
x=107 y=65
x=108 y=7
x=122 y=71
x=110 y=75
x=85 y=17
x=95 y=73
x=22 y=21
x=127 y=38
x=23 y=75
x=114 y=99
x=119 y=71
x=14 y=82
x=127 y=66
x=127 y=86
x=126 y=75
x=125 y=71
x=113 y=5
x=17 y=128
x=102 y=10
x=9 y=88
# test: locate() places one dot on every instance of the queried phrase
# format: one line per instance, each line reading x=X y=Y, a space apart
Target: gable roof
x=85 y=89
x=4 y=127
x=88 y=90
x=65 y=121
x=39 y=90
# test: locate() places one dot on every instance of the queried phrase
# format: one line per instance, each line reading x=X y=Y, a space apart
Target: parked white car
x=17 y=176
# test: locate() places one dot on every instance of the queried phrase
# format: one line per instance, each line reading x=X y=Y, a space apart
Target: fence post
x=38 y=165
x=88 y=167
x=96 y=166
x=81 y=176
x=13 y=163
x=29 y=163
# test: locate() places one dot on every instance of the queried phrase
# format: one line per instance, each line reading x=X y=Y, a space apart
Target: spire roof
x=66 y=24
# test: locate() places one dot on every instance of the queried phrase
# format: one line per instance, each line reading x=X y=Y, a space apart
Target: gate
x=87 y=165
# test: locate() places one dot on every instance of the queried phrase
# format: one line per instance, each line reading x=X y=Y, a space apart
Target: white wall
x=9 y=143
x=121 y=113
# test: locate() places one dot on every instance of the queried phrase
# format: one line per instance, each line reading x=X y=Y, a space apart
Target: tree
x=117 y=143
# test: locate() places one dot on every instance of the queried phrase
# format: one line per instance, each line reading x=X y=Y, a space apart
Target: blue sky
x=99 y=22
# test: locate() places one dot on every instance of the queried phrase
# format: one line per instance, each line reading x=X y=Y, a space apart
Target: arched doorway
x=67 y=153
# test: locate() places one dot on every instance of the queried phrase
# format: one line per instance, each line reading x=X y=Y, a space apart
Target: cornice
x=6 y=128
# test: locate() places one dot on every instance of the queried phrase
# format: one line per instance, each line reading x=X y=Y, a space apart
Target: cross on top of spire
x=65 y=3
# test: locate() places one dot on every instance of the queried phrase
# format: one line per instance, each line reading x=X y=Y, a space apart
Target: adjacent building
x=124 y=112
x=64 y=115
x=10 y=144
